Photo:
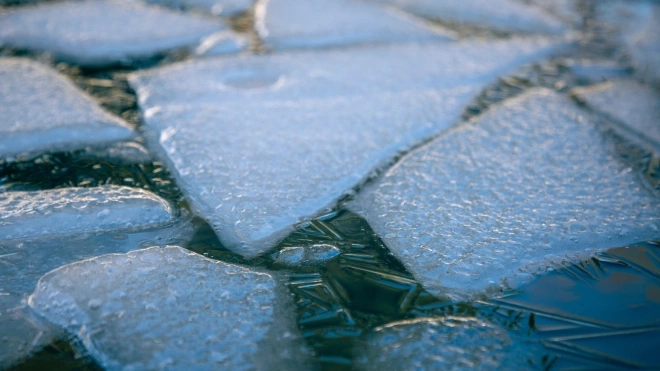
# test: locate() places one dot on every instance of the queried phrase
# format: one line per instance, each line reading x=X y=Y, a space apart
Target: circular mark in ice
x=251 y=79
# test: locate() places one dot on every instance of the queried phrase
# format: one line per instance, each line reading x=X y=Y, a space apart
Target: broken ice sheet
x=635 y=105
x=448 y=343
x=23 y=262
x=205 y=314
x=259 y=143
x=487 y=203
x=103 y=32
x=76 y=210
x=286 y=24
x=42 y=112
x=228 y=8
x=502 y=15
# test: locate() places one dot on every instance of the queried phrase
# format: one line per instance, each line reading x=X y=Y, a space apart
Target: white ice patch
x=284 y=24
x=169 y=308
x=42 y=111
x=259 y=143
x=491 y=200
x=635 y=105
x=503 y=15
x=103 y=32
x=77 y=210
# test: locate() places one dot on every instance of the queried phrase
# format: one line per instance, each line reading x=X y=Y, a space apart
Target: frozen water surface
x=491 y=200
x=103 y=32
x=76 y=210
x=42 y=111
x=227 y=8
x=259 y=143
x=449 y=343
x=317 y=23
x=306 y=255
x=504 y=15
x=631 y=103
x=205 y=314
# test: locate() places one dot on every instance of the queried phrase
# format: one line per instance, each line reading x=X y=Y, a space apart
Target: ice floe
x=204 y=314
x=42 y=111
x=448 y=343
x=490 y=202
x=103 y=32
x=502 y=15
x=77 y=210
x=259 y=143
x=284 y=24
x=628 y=102
x=228 y=8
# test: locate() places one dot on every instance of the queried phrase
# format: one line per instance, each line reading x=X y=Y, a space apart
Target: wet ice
x=78 y=210
x=503 y=15
x=205 y=314
x=489 y=202
x=286 y=24
x=103 y=32
x=42 y=112
x=259 y=142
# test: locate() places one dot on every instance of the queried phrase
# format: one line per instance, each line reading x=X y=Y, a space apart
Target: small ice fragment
x=205 y=314
x=306 y=255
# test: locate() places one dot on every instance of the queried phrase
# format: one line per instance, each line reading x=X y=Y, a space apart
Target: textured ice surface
x=42 y=111
x=492 y=199
x=306 y=255
x=638 y=24
x=317 y=23
x=449 y=343
x=71 y=210
x=507 y=15
x=125 y=152
x=259 y=143
x=170 y=308
x=227 y=8
x=103 y=32
x=23 y=262
x=631 y=103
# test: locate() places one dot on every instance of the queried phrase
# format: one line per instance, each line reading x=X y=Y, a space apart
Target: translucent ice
x=448 y=343
x=631 y=103
x=42 y=111
x=505 y=15
x=72 y=210
x=306 y=255
x=317 y=23
x=486 y=203
x=170 y=308
x=259 y=143
x=103 y=32
x=227 y=8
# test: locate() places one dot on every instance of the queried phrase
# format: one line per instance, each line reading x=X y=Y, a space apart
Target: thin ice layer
x=170 y=308
x=259 y=143
x=448 y=343
x=503 y=15
x=286 y=24
x=631 y=103
x=103 y=32
x=42 y=111
x=488 y=202
x=228 y=8
x=77 y=210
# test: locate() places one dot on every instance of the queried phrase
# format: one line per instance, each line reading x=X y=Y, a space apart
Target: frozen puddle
x=78 y=210
x=228 y=8
x=42 y=111
x=503 y=15
x=205 y=314
x=449 y=343
x=489 y=202
x=259 y=143
x=103 y=32
x=286 y=24
x=635 y=105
